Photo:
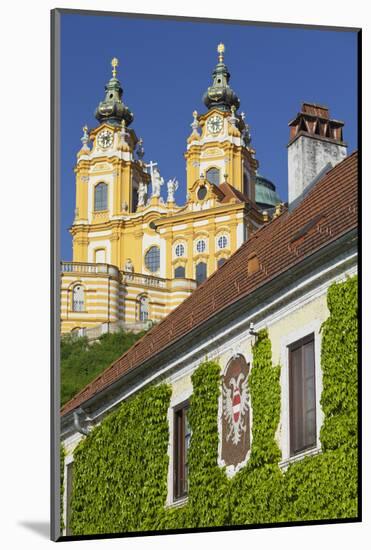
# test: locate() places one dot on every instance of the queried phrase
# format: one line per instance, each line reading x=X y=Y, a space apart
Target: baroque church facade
x=136 y=255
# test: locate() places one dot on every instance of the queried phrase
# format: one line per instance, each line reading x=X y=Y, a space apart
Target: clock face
x=105 y=139
x=215 y=124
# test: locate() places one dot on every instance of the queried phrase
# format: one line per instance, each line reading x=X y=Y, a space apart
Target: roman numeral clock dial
x=105 y=139
x=215 y=124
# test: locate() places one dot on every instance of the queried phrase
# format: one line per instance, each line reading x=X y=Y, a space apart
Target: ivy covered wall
x=121 y=468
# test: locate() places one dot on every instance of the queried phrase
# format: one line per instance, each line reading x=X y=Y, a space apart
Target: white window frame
x=226 y=247
x=199 y=240
x=284 y=429
x=174 y=403
x=184 y=250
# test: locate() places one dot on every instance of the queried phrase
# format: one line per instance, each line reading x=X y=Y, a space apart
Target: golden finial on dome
x=114 y=64
x=221 y=50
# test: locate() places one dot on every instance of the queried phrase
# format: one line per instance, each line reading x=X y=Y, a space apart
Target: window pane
x=296 y=401
x=100 y=197
x=222 y=241
x=213 y=176
x=201 y=246
x=179 y=272
x=182 y=436
x=152 y=259
x=201 y=272
x=78 y=298
x=302 y=396
x=310 y=394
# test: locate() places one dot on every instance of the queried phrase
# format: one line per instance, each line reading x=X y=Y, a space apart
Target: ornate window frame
x=178 y=242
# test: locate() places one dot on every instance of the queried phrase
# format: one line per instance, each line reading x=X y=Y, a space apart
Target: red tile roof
x=328 y=211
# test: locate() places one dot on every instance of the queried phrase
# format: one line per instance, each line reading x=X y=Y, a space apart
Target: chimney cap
x=314 y=121
x=315 y=109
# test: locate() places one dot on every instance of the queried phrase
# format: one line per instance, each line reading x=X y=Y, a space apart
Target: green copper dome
x=112 y=109
x=265 y=193
x=220 y=95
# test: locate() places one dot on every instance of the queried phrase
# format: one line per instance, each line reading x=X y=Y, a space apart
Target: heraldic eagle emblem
x=236 y=403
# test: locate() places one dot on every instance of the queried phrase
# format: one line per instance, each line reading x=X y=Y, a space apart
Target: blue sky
x=165 y=67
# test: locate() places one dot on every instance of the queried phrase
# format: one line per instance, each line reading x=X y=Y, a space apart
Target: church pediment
x=203 y=190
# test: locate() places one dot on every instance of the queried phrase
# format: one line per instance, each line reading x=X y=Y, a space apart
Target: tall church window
x=100 y=197
x=302 y=396
x=78 y=298
x=201 y=272
x=182 y=436
x=213 y=175
x=179 y=272
x=143 y=308
x=100 y=256
x=152 y=259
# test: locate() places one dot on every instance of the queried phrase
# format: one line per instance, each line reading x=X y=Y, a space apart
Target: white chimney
x=316 y=145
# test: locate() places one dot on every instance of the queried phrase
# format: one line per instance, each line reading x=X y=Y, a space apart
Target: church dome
x=112 y=110
x=220 y=95
x=266 y=196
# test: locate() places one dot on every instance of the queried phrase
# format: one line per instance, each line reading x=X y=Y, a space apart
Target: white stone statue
x=172 y=186
x=157 y=181
x=142 y=193
x=129 y=266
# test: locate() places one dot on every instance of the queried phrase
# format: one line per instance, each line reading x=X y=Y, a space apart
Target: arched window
x=201 y=272
x=152 y=259
x=179 y=272
x=221 y=261
x=78 y=298
x=213 y=176
x=100 y=256
x=143 y=308
x=100 y=197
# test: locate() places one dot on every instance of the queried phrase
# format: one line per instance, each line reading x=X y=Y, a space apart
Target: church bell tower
x=109 y=172
x=219 y=147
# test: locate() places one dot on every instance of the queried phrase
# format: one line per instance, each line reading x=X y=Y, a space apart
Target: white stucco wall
x=306 y=158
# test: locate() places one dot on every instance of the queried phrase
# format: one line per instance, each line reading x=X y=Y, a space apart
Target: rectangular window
x=182 y=435
x=302 y=395
x=68 y=497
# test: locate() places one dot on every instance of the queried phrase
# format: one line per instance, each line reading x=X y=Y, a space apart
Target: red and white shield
x=236 y=406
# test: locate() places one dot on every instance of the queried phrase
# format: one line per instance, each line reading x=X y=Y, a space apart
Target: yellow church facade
x=136 y=253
